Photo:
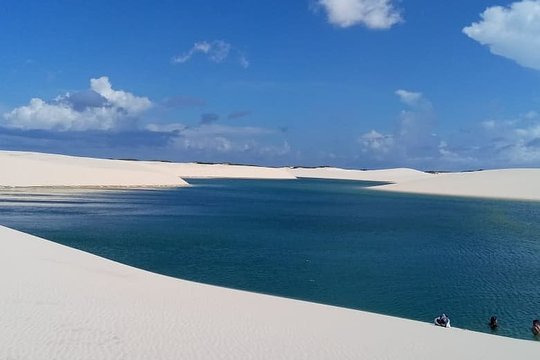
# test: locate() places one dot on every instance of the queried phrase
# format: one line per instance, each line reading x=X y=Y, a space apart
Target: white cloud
x=512 y=32
x=376 y=143
x=413 y=139
x=488 y=124
x=120 y=99
x=216 y=51
x=100 y=108
x=216 y=138
x=166 y=127
x=373 y=14
x=409 y=97
x=512 y=142
x=448 y=156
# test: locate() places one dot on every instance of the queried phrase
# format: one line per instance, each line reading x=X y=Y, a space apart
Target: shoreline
x=40 y=170
x=64 y=303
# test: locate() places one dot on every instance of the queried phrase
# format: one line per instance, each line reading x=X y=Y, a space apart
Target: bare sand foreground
x=61 y=303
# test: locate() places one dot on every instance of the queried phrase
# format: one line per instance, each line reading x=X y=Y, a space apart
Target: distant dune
x=196 y=170
x=27 y=169
x=387 y=175
x=518 y=184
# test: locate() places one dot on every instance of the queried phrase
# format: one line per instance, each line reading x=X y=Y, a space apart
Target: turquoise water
x=332 y=242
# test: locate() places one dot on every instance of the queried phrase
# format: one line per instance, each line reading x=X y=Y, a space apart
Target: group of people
x=444 y=321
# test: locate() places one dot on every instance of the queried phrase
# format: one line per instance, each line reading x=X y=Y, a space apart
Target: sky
x=433 y=85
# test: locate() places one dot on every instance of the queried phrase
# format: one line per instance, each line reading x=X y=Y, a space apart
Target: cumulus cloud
x=373 y=14
x=100 y=108
x=119 y=99
x=512 y=32
x=216 y=51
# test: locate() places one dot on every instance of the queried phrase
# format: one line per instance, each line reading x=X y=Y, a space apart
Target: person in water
x=493 y=323
x=443 y=321
x=536 y=327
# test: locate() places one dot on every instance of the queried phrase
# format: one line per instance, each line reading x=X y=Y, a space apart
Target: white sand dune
x=27 y=169
x=24 y=169
x=61 y=303
x=518 y=184
x=195 y=170
x=388 y=175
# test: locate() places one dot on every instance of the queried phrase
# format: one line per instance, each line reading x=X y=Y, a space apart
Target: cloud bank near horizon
x=102 y=117
x=415 y=142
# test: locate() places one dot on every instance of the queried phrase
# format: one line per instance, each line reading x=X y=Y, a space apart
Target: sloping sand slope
x=61 y=303
x=519 y=184
x=26 y=169
x=22 y=169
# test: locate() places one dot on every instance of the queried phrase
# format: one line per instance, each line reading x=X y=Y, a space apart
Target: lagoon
x=332 y=242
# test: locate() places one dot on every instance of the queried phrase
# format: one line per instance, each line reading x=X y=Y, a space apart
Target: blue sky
x=353 y=83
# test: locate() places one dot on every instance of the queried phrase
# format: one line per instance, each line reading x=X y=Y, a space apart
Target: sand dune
x=61 y=303
x=27 y=169
x=519 y=184
x=388 y=175
x=22 y=169
x=194 y=170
